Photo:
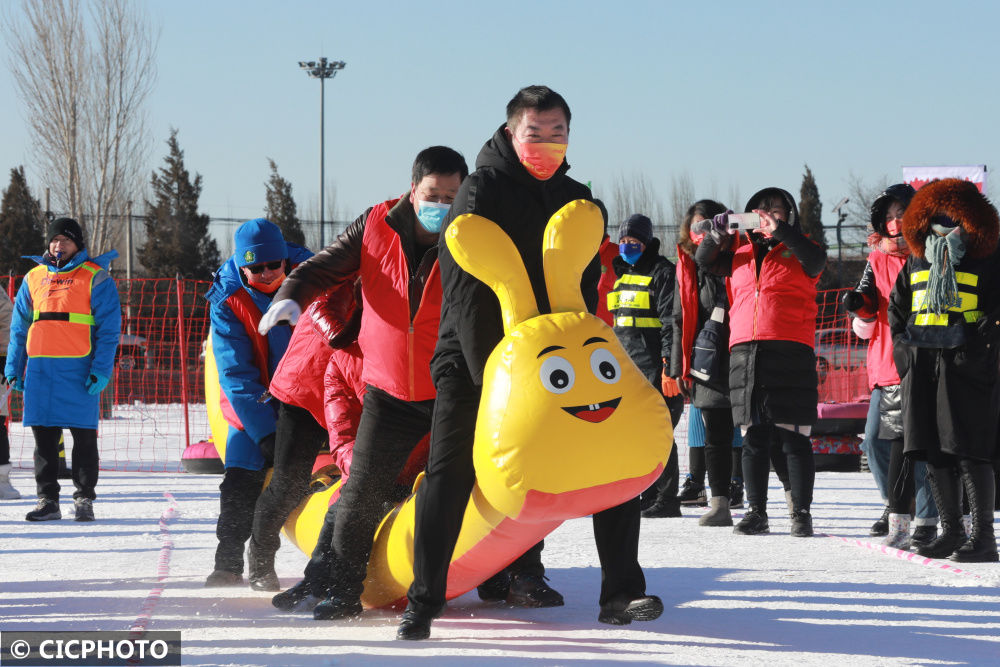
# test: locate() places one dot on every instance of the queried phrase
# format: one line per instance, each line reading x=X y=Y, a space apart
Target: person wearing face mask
x=944 y=315
x=393 y=248
x=895 y=476
x=519 y=182
x=772 y=373
x=642 y=303
x=63 y=337
x=241 y=290
x=701 y=362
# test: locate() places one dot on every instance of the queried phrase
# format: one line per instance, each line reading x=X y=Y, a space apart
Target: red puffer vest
x=397 y=351
x=881 y=367
x=780 y=304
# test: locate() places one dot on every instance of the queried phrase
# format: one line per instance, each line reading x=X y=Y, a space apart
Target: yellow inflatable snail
x=567 y=426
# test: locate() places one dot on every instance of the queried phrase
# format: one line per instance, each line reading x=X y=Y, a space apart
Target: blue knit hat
x=637 y=226
x=259 y=241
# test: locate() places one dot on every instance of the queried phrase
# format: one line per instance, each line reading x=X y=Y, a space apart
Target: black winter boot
x=881 y=527
x=981 y=546
x=948 y=497
x=754 y=522
x=261 y=563
x=237 y=497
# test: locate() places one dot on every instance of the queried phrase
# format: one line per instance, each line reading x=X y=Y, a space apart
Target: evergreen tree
x=22 y=226
x=177 y=239
x=280 y=207
x=811 y=209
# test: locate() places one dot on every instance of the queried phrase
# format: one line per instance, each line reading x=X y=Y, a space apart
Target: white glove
x=862 y=329
x=286 y=311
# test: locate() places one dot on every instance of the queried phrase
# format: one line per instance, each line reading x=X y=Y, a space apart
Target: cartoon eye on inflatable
x=557 y=375
x=605 y=366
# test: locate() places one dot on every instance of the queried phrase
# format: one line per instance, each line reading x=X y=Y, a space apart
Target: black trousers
x=4 y=441
x=718 y=448
x=389 y=431
x=760 y=446
x=298 y=439
x=443 y=496
x=238 y=495
x=85 y=461
x=665 y=489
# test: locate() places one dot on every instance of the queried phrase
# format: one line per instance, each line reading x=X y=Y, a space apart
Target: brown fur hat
x=962 y=202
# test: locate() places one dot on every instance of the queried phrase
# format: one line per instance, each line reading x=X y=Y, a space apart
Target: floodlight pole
x=322 y=70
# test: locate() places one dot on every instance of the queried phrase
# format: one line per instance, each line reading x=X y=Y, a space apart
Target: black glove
x=267 y=449
x=853 y=301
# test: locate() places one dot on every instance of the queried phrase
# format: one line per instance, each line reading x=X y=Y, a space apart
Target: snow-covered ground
x=729 y=599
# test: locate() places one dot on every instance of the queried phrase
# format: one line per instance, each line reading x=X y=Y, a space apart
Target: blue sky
x=738 y=94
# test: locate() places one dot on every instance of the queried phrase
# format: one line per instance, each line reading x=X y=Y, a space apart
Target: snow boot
x=736 y=493
x=981 y=547
x=45 y=510
x=7 y=492
x=223 y=579
x=754 y=522
x=899 y=532
x=261 y=568
x=922 y=535
x=948 y=498
x=530 y=590
x=622 y=609
x=802 y=524
x=84 y=509
x=881 y=527
x=692 y=493
x=719 y=514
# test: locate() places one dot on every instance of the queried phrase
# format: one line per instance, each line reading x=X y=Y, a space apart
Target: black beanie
x=637 y=226
x=69 y=228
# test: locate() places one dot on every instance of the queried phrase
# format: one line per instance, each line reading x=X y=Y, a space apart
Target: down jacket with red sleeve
x=401 y=294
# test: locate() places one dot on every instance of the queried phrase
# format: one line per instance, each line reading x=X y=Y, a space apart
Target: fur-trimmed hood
x=962 y=202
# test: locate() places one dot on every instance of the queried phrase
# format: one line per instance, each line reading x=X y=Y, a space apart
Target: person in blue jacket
x=241 y=291
x=63 y=336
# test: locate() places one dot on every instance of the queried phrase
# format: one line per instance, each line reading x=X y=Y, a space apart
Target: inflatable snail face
x=567 y=425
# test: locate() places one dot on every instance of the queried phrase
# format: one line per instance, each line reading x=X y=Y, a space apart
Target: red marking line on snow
x=903 y=555
x=138 y=628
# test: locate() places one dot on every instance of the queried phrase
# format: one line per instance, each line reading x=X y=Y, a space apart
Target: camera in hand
x=742 y=221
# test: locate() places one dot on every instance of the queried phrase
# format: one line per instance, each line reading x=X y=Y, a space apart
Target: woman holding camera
x=772 y=375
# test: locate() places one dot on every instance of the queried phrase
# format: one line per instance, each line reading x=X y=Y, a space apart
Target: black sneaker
x=622 y=610
x=337 y=607
x=45 y=510
x=290 y=599
x=735 y=493
x=692 y=493
x=922 y=536
x=658 y=510
x=84 y=508
x=414 y=626
x=530 y=590
x=754 y=522
x=802 y=523
x=881 y=527
x=496 y=588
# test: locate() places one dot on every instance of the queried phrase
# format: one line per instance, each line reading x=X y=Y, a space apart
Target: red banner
x=921 y=176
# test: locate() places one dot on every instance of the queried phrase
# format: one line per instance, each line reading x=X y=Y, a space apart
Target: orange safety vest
x=62 y=320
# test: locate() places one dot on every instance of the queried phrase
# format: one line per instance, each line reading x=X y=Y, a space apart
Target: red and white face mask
x=894 y=227
x=696 y=237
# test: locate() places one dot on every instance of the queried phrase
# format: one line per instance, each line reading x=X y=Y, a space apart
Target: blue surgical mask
x=431 y=214
x=630 y=252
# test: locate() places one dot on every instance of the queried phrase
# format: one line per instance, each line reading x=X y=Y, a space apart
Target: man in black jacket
x=519 y=182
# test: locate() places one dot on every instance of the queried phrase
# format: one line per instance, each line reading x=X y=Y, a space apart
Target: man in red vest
x=241 y=290
x=393 y=248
